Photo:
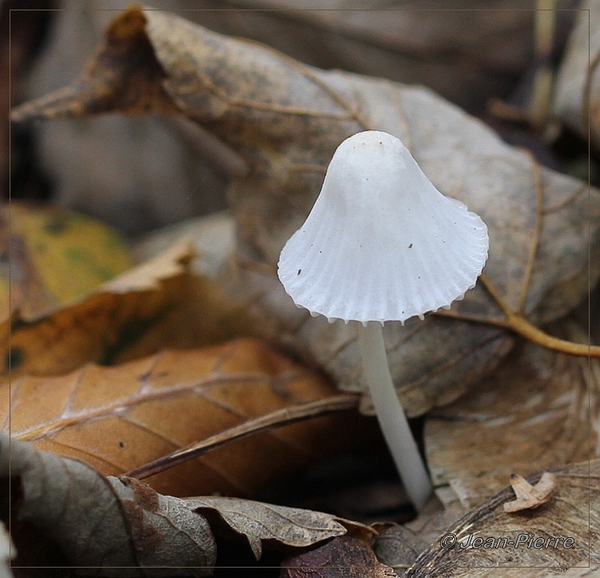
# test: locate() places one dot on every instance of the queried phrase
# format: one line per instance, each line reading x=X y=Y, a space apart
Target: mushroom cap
x=381 y=243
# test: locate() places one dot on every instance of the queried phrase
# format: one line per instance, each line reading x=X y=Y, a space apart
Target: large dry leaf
x=511 y=550
x=109 y=522
x=284 y=120
x=145 y=172
x=119 y=418
x=99 y=327
x=538 y=410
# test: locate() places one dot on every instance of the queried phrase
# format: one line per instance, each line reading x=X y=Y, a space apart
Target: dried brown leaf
x=125 y=76
x=285 y=119
x=251 y=427
x=518 y=269
x=528 y=495
x=536 y=411
x=344 y=556
x=560 y=537
x=122 y=417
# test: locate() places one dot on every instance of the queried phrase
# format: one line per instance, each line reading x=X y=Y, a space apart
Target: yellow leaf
x=57 y=255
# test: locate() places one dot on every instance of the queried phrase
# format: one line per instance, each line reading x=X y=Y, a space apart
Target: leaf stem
x=520 y=325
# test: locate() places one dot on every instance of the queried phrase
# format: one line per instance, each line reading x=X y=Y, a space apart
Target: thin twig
x=278 y=418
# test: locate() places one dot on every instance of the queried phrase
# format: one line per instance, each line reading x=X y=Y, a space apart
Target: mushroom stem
x=391 y=416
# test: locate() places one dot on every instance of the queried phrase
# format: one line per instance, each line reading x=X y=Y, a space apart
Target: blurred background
x=142 y=173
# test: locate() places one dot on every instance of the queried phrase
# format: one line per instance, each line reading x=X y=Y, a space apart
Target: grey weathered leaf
x=257 y=521
x=105 y=522
x=567 y=530
x=403 y=42
x=537 y=261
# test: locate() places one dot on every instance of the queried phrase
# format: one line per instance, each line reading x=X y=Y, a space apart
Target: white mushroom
x=381 y=243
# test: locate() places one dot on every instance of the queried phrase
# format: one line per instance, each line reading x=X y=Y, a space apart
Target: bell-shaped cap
x=381 y=243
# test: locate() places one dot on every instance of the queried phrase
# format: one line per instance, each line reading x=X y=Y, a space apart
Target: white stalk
x=391 y=416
